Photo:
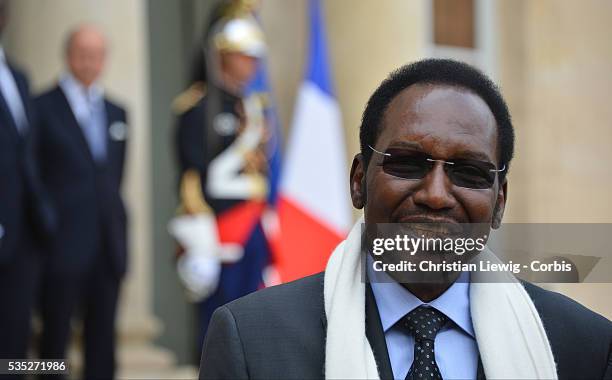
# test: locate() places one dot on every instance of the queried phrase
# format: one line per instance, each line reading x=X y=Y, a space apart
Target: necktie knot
x=424 y=322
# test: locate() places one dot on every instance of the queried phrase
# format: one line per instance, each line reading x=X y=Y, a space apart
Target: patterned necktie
x=424 y=323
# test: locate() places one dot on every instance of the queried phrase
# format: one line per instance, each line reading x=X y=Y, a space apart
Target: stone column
x=555 y=62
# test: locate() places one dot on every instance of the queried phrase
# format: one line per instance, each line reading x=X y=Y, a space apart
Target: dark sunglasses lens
x=472 y=175
x=408 y=167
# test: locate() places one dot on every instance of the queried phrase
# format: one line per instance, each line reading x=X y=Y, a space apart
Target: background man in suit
x=24 y=219
x=82 y=154
x=436 y=143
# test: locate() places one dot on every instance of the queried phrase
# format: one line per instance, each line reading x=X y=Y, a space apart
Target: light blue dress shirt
x=89 y=109
x=455 y=345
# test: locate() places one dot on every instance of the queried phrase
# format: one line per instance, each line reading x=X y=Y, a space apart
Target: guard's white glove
x=199 y=275
x=200 y=265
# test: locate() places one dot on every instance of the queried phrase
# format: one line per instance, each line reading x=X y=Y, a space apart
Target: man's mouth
x=431 y=226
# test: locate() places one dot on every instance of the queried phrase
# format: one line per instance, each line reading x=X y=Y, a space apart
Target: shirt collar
x=394 y=301
x=94 y=92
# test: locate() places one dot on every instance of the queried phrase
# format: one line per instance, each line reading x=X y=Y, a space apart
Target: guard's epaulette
x=187 y=99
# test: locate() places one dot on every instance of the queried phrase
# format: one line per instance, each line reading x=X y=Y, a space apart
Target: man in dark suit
x=82 y=152
x=436 y=144
x=24 y=219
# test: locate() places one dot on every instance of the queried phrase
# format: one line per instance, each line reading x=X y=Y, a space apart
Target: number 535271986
x=8 y=366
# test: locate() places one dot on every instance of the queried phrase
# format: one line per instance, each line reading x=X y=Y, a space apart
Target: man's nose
x=434 y=190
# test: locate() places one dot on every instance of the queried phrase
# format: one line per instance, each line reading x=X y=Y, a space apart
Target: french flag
x=313 y=206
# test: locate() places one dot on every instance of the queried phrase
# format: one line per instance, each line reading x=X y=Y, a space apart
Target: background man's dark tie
x=424 y=323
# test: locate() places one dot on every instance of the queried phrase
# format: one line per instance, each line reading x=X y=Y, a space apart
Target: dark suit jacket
x=85 y=194
x=279 y=333
x=24 y=213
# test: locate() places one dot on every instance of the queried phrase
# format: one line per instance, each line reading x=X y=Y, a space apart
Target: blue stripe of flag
x=318 y=71
x=260 y=84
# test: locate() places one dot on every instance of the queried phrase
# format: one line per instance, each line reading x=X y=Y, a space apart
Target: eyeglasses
x=471 y=174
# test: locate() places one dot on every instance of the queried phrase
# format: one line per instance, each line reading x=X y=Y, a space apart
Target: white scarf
x=509 y=333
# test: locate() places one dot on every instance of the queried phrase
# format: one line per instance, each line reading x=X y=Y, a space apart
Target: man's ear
x=500 y=205
x=357 y=182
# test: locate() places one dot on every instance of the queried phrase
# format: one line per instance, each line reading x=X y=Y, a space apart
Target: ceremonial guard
x=221 y=139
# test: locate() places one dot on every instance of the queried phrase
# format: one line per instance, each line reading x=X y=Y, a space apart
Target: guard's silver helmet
x=240 y=34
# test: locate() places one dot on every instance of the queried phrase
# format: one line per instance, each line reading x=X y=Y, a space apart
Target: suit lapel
x=111 y=144
x=109 y=119
x=72 y=125
x=24 y=93
x=7 y=118
x=115 y=145
x=376 y=336
x=5 y=110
